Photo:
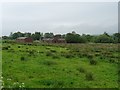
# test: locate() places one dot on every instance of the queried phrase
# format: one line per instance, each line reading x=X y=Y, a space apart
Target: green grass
x=65 y=66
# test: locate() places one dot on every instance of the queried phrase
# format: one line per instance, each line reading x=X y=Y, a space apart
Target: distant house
x=59 y=40
x=24 y=40
x=54 y=40
x=47 y=40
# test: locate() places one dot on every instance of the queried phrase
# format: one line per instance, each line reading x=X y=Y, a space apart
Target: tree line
x=69 y=37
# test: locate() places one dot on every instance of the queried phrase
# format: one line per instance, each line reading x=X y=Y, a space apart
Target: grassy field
x=60 y=66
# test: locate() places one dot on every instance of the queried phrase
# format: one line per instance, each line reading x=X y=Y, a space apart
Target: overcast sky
x=60 y=17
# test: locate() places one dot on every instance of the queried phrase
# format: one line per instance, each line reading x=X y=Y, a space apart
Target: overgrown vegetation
x=60 y=65
x=69 y=37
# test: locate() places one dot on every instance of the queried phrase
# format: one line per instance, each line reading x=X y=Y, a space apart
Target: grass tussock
x=89 y=76
x=81 y=70
x=22 y=58
x=93 y=62
x=49 y=63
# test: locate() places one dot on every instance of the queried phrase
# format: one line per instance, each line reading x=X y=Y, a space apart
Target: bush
x=93 y=62
x=89 y=76
x=22 y=58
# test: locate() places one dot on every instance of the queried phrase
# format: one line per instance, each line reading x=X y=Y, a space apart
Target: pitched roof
x=61 y=39
x=47 y=38
x=21 y=37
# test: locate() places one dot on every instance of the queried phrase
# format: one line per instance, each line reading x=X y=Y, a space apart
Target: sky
x=60 y=17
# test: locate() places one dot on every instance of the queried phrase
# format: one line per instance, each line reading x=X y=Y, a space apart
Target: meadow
x=41 y=65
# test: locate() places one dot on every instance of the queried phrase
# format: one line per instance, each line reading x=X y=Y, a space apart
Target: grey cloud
x=63 y=17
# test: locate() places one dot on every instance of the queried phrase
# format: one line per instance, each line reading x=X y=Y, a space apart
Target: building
x=54 y=40
x=59 y=40
x=47 y=40
x=24 y=40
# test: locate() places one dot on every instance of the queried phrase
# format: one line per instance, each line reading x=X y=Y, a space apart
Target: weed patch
x=22 y=58
x=81 y=69
x=93 y=62
x=89 y=76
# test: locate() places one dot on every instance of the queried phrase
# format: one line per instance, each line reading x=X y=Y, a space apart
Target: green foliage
x=57 y=71
x=74 y=38
x=89 y=76
x=16 y=35
x=5 y=37
x=48 y=35
x=87 y=38
x=53 y=51
x=22 y=58
x=116 y=37
x=36 y=36
x=93 y=61
x=104 y=39
x=5 y=48
x=69 y=37
x=81 y=69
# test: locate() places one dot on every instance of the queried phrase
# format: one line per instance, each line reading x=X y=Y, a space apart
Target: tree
x=48 y=35
x=63 y=36
x=5 y=37
x=17 y=34
x=74 y=38
x=105 y=33
x=116 y=37
x=87 y=38
x=104 y=39
x=28 y=34
x=58 y=36
x=36 y=36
